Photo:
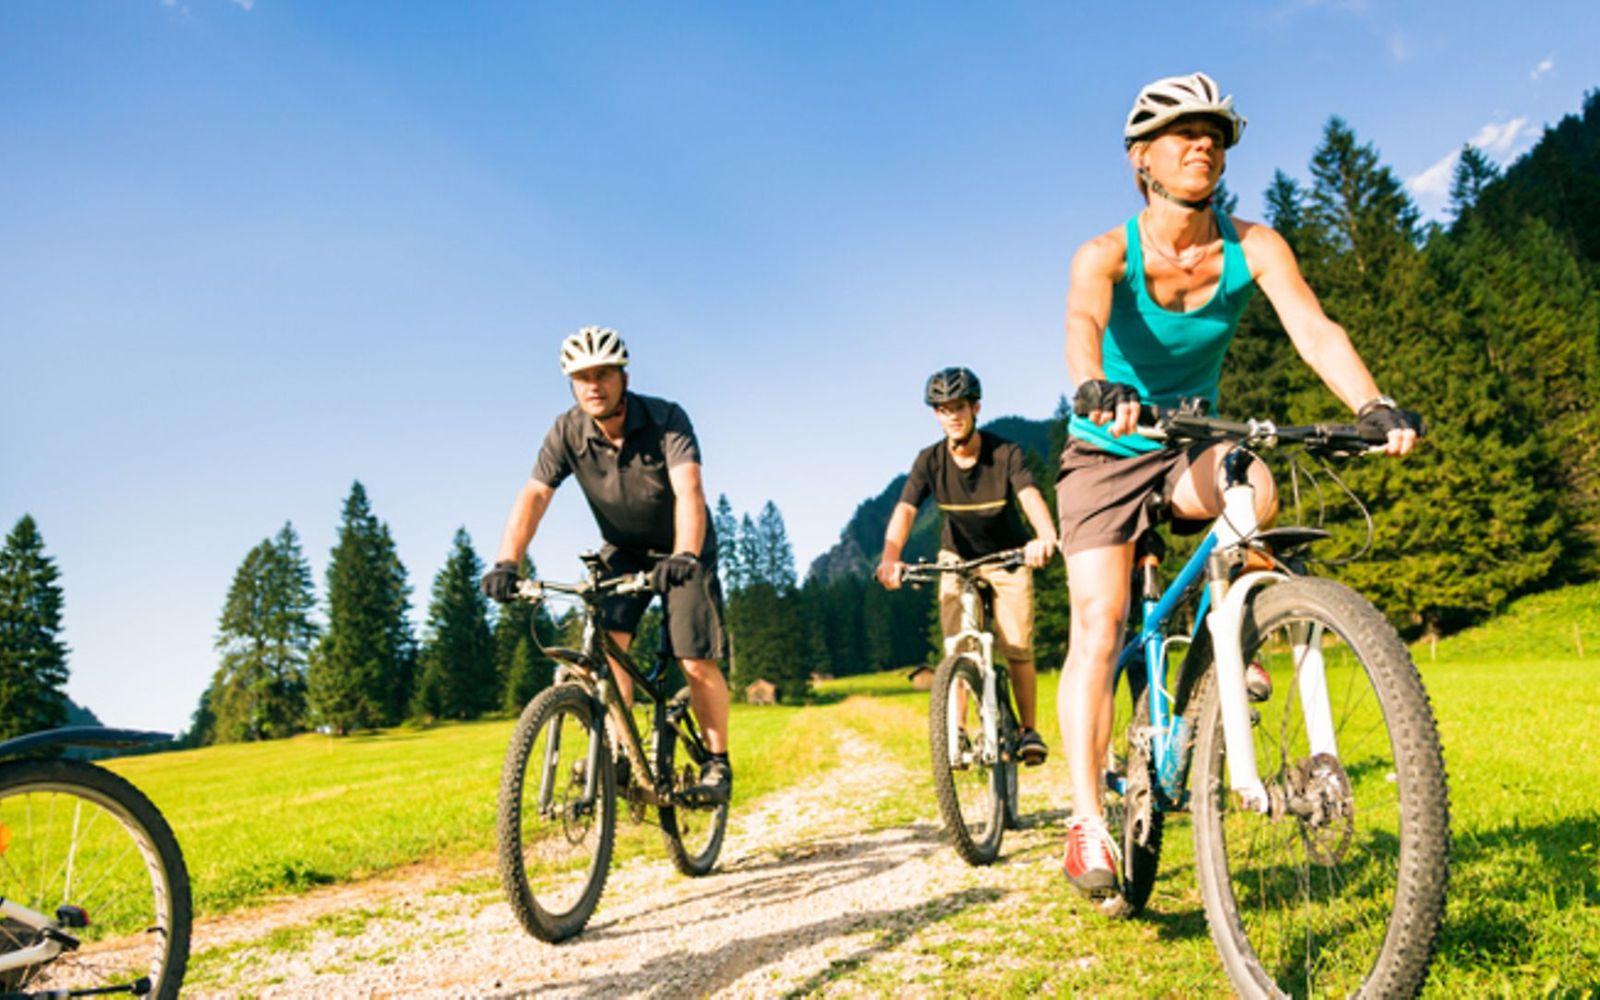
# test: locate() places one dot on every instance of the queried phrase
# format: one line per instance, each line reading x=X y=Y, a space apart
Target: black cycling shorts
x=693 y=608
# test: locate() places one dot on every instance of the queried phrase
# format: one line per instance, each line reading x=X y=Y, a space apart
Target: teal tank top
x=1167 y=355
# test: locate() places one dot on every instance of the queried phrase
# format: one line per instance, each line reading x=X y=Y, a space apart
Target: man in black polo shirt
x=638 y=463
x=978 y=480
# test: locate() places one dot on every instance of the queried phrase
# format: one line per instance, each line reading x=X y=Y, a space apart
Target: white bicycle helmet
x=1161 y=103
x=592 y=347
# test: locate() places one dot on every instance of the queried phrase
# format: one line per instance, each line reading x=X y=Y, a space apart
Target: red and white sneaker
x=1257 y=682
x=1092 y=859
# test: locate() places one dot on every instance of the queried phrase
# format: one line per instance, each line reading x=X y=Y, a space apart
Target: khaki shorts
x=1104 y=499
x=1013 y=607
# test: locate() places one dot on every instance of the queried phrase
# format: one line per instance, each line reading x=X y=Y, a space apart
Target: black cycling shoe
x=1031 y=748
x=716 y=784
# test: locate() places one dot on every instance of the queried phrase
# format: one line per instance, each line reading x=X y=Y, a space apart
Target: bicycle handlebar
x=1185 y=424
x=928 y=571
x=629 y=583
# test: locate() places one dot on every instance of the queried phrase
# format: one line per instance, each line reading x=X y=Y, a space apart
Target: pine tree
x=360 y=676
x=33 y=659
x=749 y=556
x=1534 y=306
x=730 y=564
x=1286 y=211
x=457 y=676
x=528 y=674
x=1464 y=523
x=265 y=635
x=202 y=724
x=1473 y=173
x=773 y=638
x=776 y=565
x=1360 y=209
x=1556 y=182
x=1223 y=199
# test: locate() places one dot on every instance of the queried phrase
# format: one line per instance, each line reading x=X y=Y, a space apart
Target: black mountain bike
x=94 y=895
x=574 y=747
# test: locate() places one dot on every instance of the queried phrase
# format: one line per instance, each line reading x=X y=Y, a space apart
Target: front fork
x=1226 y=623
x=989 y=706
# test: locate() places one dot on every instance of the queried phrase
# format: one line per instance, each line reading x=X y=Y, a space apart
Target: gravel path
x=800 y=903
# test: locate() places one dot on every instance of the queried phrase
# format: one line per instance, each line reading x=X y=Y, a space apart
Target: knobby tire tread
x=1412 y=935
x=974 y=852
x=546 y=926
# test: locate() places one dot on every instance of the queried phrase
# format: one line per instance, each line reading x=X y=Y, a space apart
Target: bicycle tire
x=976 y=837
x=125 y=929
x=683 y=827
x=547 y=919
x=1390 y=952
x=1006 y=768
x=1140 y=861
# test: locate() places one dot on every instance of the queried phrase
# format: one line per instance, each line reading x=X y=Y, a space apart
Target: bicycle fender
x=1226 y=624
x=83 y=736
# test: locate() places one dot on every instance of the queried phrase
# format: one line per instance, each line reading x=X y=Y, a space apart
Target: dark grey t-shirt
x=980 y=503
x=627 y=488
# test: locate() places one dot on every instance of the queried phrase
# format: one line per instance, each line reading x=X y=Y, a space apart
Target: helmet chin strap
x=1158 y=188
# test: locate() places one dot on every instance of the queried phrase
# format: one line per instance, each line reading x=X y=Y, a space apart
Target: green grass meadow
x=1518 y=708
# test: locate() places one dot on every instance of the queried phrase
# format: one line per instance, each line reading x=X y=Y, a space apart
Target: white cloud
x=1545 y=66
x=1498 y=139
x=1433 y=184
x=1398 y=47
x=245 y=4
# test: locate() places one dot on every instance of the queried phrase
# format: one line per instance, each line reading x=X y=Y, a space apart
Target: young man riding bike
x=1152 y=307
x=638 y=463
x=978 y=479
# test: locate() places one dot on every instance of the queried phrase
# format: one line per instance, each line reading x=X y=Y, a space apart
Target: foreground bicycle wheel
x=78 y=839
x=693 y=835
x=1340 y=890
x=557 y=814
x=970 y=789
x=1132 y=816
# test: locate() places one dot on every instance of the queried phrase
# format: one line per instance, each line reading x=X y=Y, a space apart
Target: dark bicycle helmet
x=950 y=384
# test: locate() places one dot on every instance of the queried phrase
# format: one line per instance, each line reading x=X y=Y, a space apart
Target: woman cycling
x=1152 y=307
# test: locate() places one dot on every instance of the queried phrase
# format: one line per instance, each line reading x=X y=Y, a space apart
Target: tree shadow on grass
x=684 y=973
x=1503 y=880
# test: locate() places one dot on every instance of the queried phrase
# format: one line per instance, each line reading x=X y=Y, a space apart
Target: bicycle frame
x=591 y=668
x=1221 y=608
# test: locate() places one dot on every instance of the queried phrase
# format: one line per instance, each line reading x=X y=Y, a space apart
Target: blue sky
x=250 y=251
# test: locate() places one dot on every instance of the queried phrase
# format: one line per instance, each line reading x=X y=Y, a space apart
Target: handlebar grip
x=530 y=590
x=634 y=584
x=1377 y=435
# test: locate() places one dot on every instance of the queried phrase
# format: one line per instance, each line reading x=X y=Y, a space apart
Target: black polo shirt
x=980 y=503
x=627 y=488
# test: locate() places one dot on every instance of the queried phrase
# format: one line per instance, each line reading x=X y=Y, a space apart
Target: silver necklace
x=1184 y=260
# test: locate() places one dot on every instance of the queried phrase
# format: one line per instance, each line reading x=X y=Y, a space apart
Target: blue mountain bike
x=1319 y=802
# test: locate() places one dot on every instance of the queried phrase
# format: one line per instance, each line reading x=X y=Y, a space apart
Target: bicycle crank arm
x=139 y=987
